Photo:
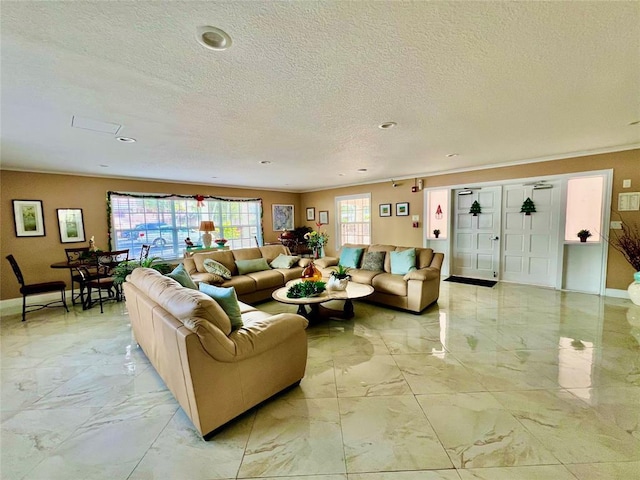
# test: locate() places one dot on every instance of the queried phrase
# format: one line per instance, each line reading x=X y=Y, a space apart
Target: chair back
x=107 y=261
x=144 y=252
x=75 y=254
x=16 y=269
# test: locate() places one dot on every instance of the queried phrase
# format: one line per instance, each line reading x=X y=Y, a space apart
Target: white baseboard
x=613 y=292
x=11 y=306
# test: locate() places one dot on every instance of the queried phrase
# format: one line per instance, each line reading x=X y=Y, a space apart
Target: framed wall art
x=402 y=209
x=28 y=218
x=283 y=218
x=311 y=214
x=385 y=209
x=71 y=225
x=323 y=217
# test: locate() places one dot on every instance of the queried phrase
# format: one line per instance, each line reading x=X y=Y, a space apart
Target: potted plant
x=583 y=235
x=123 y=269
x=436 y=233
x=339 y=278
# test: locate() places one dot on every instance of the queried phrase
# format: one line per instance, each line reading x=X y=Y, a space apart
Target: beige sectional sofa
x=413 y=291
x=250 y=287
x=213 y=372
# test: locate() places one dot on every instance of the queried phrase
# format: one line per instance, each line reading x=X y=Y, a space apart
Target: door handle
x=495 y=238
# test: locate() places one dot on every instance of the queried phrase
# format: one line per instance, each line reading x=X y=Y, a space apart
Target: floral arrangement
x=628 y=243
x=316 y=239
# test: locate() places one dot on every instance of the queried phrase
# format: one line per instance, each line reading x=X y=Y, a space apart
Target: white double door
x=503 y=243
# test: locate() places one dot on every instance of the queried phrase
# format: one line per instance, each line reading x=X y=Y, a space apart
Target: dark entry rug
x=471 y=281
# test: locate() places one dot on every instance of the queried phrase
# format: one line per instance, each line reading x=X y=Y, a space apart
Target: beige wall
x=34 y=255
x=66 y=191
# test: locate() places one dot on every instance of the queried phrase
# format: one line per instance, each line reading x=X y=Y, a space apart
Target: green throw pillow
x=211 y=266
x=253 y=265
x=373 y=261
x=228 y=300
x=403 y=262
x=180 y=275
x=350 y=257
x=285 y=261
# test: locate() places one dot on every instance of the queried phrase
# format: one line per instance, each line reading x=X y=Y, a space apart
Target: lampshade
x=207 y=226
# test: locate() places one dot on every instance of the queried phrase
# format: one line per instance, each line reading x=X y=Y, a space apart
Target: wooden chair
x=37 y=288
x=102 y=263
x=75 y=255
x=144 y=252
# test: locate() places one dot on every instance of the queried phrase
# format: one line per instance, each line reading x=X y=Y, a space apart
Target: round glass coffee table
x=316 y=309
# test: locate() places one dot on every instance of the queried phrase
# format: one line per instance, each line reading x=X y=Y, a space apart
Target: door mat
x=471 y=281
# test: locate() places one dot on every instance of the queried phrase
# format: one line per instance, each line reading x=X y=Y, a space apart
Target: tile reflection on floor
x=511 y=382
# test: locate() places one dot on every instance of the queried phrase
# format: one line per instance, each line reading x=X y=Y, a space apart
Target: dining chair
x=97 y=277
x=75 y=255
x=27 y=289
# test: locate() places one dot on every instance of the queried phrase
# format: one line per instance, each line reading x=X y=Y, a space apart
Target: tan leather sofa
x=215 y=374
x=250 y=287
x=414 y=291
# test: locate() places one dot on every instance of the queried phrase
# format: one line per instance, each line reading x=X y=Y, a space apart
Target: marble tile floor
x=510 y=383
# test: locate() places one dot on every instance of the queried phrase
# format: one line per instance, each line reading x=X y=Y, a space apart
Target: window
x=584 y=207
x=353 y=219
x=165 y=221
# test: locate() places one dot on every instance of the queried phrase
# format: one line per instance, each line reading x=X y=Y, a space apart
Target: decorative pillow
x=285 y=261
x=403 y=262
x=253 y=265
x=373 y=261
x=211 y=266
x=350 y=257
x=228 y=300
x=180 y=275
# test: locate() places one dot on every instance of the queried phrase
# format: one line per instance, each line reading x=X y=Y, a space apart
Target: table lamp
x=207 y=226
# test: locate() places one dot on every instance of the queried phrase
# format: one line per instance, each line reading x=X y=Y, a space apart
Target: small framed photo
x=71 y=225
x=283 y=218
x=323 y=217
x=402 y=209
x=385 y=209
x=311 y=213
x=28 y=218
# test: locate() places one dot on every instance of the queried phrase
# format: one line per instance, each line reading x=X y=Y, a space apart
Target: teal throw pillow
x=285 y=261
x=373 y=261
x=253 y=265
x=228 y=300
x=180 y=275
x=211 y=266
x=403 y=262
x=350 y=257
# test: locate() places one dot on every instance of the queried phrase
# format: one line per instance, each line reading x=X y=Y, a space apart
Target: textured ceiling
x=305 y=85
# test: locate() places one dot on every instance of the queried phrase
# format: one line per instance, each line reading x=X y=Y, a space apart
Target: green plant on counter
x=306 y=289
x=123 y=269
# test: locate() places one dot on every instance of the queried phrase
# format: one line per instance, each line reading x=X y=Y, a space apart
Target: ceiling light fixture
x=362 y=170
x=264 y=162
x=126 y=139
x=213 y=38
x=387 y=125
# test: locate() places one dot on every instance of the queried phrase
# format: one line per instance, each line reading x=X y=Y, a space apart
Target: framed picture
x=71 y=225
x=27 y=215
x=311 y=213
x=402 y=209
x=282 y=217
x=323 y=217
x=385 y=209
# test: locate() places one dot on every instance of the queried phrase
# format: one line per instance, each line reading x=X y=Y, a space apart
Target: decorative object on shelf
x=339 y=278
x=306 y=289
x=583 y=235
x=311 y=273
x=188 y=242
x=28 y=218
x=436 y=233
x=207 y=226
x=402 y=209
x=92 y=245
x=438 y=213
x=628 y=244
x=475 y=208
x=316 y=241
x=221 y=241
x=528 y=207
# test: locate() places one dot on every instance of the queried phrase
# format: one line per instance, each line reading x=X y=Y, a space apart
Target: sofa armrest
x=263 y=335
x=423 y=274
x=326 y=262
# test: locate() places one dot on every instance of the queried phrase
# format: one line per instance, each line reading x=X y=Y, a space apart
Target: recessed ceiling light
x=213 y=38
x=104 y=166
x=126 y=139
x=265 y=162
x=341 y=174
x=387 y=125
x=449 y=155
x=362 y=170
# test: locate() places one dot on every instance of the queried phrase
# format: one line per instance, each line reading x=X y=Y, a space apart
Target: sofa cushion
x=242 y=283
x=383 y=248
x=350 y=257
x=424 y=257
x=228 y=300
x=252 y=265
x=403 y=261
x=373 y=261
x=225 y=257
x=216 y=268
x=285 y=261
x=180 y=275
x=363 y=276
x=272 y=251
x=390 y=284
x=267 y=279
x=246 y=253
x=291 y=273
